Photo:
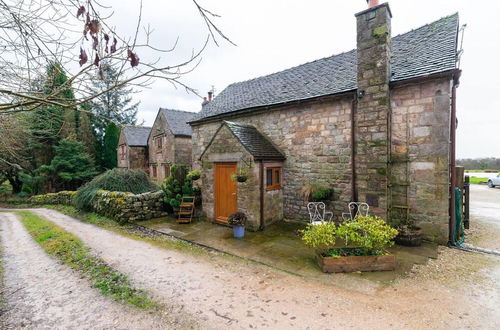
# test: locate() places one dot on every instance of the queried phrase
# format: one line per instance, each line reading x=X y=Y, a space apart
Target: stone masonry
x=373 y=107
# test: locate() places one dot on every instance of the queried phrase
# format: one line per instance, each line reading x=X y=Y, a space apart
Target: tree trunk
x=16 y=183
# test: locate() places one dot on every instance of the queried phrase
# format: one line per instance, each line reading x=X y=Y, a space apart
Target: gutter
x=354 y=108
x=261 y=170
x=453 y=171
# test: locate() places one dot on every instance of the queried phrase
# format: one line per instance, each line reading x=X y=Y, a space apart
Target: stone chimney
x=373 y=106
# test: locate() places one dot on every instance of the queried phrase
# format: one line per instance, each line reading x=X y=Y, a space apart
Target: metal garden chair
x=317 y=214
x=356 y=209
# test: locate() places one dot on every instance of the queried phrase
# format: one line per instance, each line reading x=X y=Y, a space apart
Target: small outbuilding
x=133 y=147
x=242 y=171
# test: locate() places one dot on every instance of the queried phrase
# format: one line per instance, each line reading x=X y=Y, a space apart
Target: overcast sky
x=272 y=35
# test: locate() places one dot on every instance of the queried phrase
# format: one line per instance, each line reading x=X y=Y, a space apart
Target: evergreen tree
x=69 y=125
x=86 y=134
x=47 y=121
x=71 y=166
x=114 y=105
x=111 y=137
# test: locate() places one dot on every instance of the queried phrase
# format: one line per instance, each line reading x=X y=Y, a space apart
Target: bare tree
x=77 y=34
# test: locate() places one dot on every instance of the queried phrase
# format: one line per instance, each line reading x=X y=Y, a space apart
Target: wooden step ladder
x=186 y=209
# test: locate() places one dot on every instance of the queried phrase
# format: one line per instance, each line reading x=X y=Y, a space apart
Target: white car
x=494 y=181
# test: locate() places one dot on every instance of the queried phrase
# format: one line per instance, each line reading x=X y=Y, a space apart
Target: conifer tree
x=111 y=137
x=85 y=134
x=114 y=105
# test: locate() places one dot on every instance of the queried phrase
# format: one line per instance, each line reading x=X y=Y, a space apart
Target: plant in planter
x=409 y=234
x=363 y=249
x=238 y=221
x=240 y=176
x=316 y=192
x=194 y=175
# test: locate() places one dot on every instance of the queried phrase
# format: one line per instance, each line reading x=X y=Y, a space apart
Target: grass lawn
x=478 y=180
x=68 y=248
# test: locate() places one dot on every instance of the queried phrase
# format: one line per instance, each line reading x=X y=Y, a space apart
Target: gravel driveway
x=226 y=293
x=43 y=294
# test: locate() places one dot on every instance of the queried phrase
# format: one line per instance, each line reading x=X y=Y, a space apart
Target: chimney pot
x=210 y=94
x=372 y=3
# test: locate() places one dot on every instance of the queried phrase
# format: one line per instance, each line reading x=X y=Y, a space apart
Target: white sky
x=272 y=35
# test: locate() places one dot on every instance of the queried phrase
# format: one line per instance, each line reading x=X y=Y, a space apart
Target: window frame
x=166 y=170
x=154 y=171
x=159 y=142
x=122 y=152
x=275 y=185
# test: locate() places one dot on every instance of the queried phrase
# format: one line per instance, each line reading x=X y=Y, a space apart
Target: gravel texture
x=41 y=293
x=225 y=293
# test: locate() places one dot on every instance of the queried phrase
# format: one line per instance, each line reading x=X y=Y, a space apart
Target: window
x=273 y=178
x=122 y=152
x=167 y=170
x=154 y=171
x=158 y=142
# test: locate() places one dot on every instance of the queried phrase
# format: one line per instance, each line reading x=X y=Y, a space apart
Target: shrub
x=362 y=236
x=177 y=185
x=320 y=237
x=237 y=219
x=133 y=181
x=316 y=192
x=370 y=232
x=194 y=175
x=22 y=194
x=321 y=194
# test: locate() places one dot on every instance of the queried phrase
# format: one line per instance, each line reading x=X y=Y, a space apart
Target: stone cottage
x=376 y=124
x=133 y=147
x=169 y=142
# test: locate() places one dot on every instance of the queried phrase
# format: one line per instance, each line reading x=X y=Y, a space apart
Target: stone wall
x=183 y=147
x=419 y=174
x=315 y=138
x=128 y=207
x=123 y=207
x=62 y=197
x=138 y=158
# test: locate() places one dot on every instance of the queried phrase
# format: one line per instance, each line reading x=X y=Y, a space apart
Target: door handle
x=234 y=194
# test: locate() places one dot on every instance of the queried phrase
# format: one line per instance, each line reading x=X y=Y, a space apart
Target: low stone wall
x=128 y=207
x=62 y=197
x=123 y=207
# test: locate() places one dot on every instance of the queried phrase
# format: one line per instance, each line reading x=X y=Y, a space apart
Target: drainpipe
x=353 y=148
x=261 y=170
x=453 y=127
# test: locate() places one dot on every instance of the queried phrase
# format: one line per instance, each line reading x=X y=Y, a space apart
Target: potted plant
x=362 y=248
x=194 y=175
x=409 y=234
x=238 y=221
x=316 y=192
x=240 y=176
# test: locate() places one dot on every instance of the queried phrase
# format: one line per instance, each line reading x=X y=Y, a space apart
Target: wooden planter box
x=355 y=264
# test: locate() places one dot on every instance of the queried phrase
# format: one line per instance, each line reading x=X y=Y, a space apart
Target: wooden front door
x=225 y=191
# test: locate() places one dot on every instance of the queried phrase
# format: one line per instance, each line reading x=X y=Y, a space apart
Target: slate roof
x=178 y=121
x=259 y=146
x=429 y=49
x=136 y=136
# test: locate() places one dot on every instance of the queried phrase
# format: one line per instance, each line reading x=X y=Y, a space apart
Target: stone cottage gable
x=255 y=143
x=169 y=142
x=132 y=147
x=251 y=153
x=421 y=52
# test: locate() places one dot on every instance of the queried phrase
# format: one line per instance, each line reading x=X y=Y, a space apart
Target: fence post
x=466 y=202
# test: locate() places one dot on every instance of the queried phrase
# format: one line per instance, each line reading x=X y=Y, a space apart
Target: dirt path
x=40 y=293
x=238 y=295
x=485 y=217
